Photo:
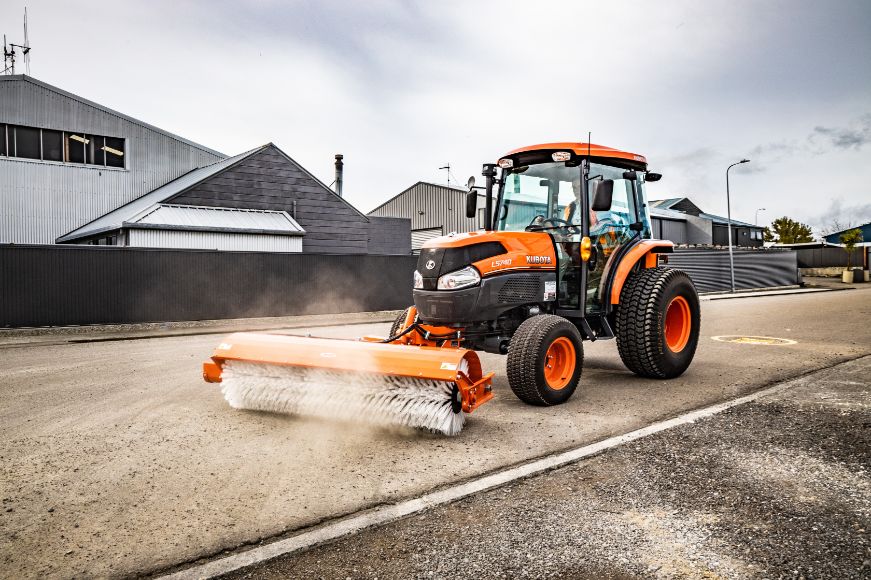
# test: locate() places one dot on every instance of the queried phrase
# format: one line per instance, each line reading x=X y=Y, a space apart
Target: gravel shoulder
x=780 y=487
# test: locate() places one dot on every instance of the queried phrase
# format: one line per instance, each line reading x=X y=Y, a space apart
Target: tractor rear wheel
x=545 y=360
x=658 y=323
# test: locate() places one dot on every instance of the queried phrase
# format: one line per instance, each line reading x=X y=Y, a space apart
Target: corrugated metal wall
x=430 y=206
x=420 y=237
x=672 y=230
x=226 y=241
x=830 y=257
x=40 y=201
x=63 y=285
x=709 y=269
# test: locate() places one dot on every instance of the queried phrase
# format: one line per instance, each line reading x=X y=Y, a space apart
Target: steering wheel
x=554 y=222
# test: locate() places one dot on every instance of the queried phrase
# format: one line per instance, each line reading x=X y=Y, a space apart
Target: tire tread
x=526 y=343
x=638 y=321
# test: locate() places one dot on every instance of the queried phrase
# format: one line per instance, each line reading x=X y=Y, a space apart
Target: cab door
x=608 y=230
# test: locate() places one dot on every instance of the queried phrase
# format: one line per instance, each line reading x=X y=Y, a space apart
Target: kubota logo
x=430 y=265
x=538 y=259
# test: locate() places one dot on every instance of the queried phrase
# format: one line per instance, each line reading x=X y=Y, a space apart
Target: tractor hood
x=490 y=253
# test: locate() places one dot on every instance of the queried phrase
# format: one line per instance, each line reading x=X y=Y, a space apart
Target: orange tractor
x=566 y=255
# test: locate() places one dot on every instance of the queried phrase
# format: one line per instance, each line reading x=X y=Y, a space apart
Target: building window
x=27 y=143
x=52 y=145
x=63 y=146
x=114 y=149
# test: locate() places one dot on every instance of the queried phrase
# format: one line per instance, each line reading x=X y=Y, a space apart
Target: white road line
x=753 y=294
x=385 y=514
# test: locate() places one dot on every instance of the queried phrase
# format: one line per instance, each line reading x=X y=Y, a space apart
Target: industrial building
x=864 y=229
x=680 y=220
x=434 y=210
x=74 y=171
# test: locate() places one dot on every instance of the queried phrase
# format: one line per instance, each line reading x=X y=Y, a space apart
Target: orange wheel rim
x=559 y=363
x=678 y=324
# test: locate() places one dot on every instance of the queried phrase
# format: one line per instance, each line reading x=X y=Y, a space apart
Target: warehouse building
x=864 y=230
x=680 y=220
x=434 y=210
x=73 y=171
x=65 y=161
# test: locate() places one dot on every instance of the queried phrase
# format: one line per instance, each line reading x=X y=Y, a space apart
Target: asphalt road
x=116 y=459
x=776 y=488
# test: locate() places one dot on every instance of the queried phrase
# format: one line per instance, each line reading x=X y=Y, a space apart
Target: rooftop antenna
x=26 y=49
x=448 y=168
x=9 y=51
x=8 y=58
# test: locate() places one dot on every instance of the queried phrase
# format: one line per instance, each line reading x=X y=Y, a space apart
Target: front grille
x=520 y=289
x=447 y=260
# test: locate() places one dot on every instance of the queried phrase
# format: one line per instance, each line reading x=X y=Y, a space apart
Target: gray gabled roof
x=720 y=220
x=168 y=216
x=25 y=78
x=444 y=186
x=668 y=214
x=665 y=203
x=115 y=219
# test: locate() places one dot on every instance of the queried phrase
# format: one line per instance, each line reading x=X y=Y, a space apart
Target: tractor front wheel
x=545 y=360
x=399 y=324
x=658 y=323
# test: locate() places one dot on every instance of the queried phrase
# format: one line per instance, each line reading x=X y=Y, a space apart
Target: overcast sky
x=402 y=88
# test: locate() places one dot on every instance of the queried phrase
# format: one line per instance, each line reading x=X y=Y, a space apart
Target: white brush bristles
x=359 y=397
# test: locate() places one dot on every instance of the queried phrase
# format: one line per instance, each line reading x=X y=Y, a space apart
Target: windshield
x=540 y=196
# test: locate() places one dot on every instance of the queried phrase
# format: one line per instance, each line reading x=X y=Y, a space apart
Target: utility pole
x=729 y=219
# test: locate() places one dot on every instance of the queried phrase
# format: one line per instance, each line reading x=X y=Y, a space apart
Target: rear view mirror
x=471 y=183
x=471 y=203
x=653 y=176
x=603 y=194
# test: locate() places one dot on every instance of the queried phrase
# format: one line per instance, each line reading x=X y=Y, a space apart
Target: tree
x=767 y=235
x=837 y=226
x=789 y=231
x=850 y=238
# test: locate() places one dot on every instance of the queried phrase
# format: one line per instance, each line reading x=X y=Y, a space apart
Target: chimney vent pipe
x=339 y=173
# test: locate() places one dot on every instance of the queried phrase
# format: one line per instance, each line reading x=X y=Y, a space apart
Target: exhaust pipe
x=339 y=173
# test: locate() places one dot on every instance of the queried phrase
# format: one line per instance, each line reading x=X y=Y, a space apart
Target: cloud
x=839 y=216
x=854 y=137
x=821 y=140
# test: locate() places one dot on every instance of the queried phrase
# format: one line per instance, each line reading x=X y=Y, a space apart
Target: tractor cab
x=590 y=199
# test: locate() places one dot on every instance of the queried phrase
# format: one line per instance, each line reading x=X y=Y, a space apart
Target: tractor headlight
x=464 y=278
x=418 y=280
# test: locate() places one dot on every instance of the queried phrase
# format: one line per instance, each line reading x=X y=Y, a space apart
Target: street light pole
x=729 y=219
x=756 y=220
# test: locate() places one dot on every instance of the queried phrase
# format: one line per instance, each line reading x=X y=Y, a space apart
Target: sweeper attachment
x=566 y=255
x=422 y=387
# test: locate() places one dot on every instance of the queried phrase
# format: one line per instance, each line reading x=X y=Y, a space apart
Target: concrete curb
x=19 y=337
x=761 y=293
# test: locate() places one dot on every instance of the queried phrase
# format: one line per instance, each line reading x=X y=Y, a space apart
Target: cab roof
x=582 y=149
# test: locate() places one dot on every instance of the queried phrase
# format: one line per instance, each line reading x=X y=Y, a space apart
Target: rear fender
x=644 y=252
